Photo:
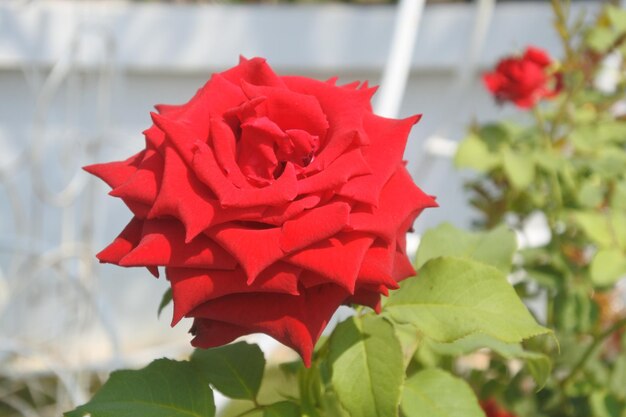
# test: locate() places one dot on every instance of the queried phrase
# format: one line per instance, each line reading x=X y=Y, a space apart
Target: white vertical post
x=398 y=64
x=482 y=21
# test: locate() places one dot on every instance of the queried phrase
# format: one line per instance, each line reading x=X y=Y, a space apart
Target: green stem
x=550 y=311
x=309 y=387
x=542 y=127
x=580 y=365
x=561 y=25
x=547 y=139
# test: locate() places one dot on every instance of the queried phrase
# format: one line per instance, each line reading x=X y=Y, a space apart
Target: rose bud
x=493 y=409
x=270 y=201
x=524 y=80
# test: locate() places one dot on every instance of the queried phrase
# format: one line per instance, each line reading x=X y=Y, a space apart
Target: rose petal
x=366 y=297
x=343 y=108
x=224 y=145
x=383 y=156
x=399 y=198
x=254 y=71
x=493 y=81
x=402 y=266
x=214 y=98
x=122 y=244
x=313 y=226
x=338 y=259
x=192 y=287
x=290 y=110
x=281 y=191
x=180 y=135
x=183 y=196
x=377 y=265
x=154 y=137
x=334 y=149
x=255 y=150
x=116 y=173
x=347 y=166
x=255 y=249
x=212 y=333
x=296 y=321
x=163 y=244
x=538 y=56
x=143 y=184
x=241 y=113
x=277 y=215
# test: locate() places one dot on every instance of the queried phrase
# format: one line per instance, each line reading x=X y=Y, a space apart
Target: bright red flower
x=270 y=201
x=524 y=80
x=493 y=409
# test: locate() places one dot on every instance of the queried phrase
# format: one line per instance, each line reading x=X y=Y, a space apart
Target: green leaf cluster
x=566 y=161
x=397 y=363
x=172 y=388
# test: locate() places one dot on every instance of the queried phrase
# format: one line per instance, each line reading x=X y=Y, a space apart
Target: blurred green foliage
x=568 y=162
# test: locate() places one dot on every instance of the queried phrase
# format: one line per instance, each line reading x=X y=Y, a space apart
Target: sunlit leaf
x=436 y=393
x=607 y=267
x=473 y=153
x=538 y=364
x=495 y=247
x=453 y=298
x=236 y=370
x=519 y=168
x=367 y=366
x=165 y=388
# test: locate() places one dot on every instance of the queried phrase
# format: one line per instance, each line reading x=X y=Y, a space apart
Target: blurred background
x=77 y=82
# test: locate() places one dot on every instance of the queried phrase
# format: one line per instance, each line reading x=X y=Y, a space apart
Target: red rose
x=493 y=409
x=270 y=201
x=523 y=80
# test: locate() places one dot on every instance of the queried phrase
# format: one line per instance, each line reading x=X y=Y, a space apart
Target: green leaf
x=409 y=339
x=495 y=247
x=519 y=169
x=574 y=310
x=609 y=162
x=167 y=298
x=548 y=278
x=600 y=39
x=596 y=227
x=618 y=200
x=607 y=267
x=367 y=367
x=236 y=370
x=583 y=115
x=330 y=405
x=617 y=17
x=454 y=298
x=436 y=393
x=609 y=130
x=496 y=135
x=618 y=376
x=591 y=194
x=282 y=409
x=165 y=388
x=549 y=161
x=473 y=153
x=607 y=229
x=604 y=404
x=538 y=364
